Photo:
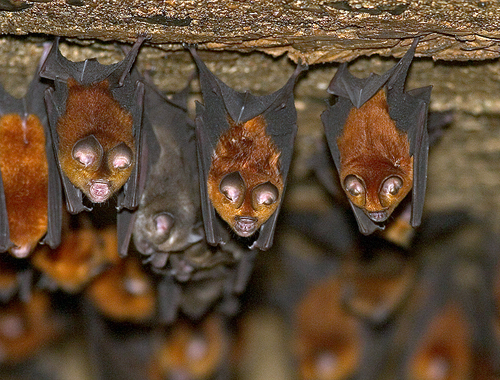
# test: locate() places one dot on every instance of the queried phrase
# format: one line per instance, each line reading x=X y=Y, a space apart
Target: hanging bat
x=245 y=147
x=201 y=278
x=30 y=189
x=124 y=292
x=192 y=351
x=95 y=116
x=377 y=134
x=168 y=218
x=83 y=254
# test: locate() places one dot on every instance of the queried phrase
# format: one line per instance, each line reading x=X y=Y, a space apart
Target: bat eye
x=164 y=223
x=354 y=186
x=233 y=187
x=391 y=186
x=87 y=151
x=120 y=157
x=265 y=194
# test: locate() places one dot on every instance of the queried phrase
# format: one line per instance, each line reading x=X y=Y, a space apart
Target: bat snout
x=378 y=216
x=100 y=191
x=245 y=225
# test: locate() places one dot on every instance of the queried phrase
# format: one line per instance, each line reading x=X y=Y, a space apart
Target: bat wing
x=221 y=100
x=74 y=197
x=5 y=242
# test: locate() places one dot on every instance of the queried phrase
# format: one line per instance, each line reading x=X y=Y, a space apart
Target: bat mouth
x=22 y=251
x=245 y=225
x=378 y=216
x=99 y=191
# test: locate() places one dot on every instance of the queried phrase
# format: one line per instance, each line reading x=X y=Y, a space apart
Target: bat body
x=377 y=134
x=203 y=277
x=30 y=190
x=125 y=292
x=95 y=115
x=245 y=147
x=168 y=218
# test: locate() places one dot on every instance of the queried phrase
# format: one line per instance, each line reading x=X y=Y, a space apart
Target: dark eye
x=391 y=186
x=164 y=223
x=265 y=194
x=120 y=157
x=233 y=188
x=88 y=151
x=354 y=186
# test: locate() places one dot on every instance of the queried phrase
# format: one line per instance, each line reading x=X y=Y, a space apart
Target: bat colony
x=197 y=198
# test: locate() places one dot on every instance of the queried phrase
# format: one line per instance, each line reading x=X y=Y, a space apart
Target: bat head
x=244 y=181
x=376 y=165
x=96 y=143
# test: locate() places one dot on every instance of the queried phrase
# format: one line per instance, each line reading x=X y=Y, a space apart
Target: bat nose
x=245 y=225
x=378 y=216
x=100 y=191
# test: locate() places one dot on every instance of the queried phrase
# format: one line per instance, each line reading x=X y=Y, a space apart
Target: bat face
x=244 y=181
x=96 y=142
x=124 y=292
x=25 y=175
x=376 y=166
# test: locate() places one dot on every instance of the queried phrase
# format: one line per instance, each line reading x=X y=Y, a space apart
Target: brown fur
x=447 y=338
x=173 y=354
x=248 y=149
x=109 y=294
x=23 y=163
x=82 y=255
x=91 y=110
x=38 y=326
x=372 y=148
x=322 y=325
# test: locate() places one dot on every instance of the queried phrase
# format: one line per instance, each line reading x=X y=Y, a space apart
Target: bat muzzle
x=100 y=191
x=378 y=216
x=245 y=225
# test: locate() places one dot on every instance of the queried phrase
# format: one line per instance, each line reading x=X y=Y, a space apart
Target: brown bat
x=245 y=146
x=26 y=327
x=194 y=352
x=124 y=292
x=30 y=190
x=82 y=255
x=378 y=137
x=95 y=116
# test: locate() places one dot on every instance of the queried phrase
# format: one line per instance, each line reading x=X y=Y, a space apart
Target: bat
x=25 y=327
x=245 y=145
x=125 y=292
x=83 y=254
x=168 y=217
x=30 y=189
x=201 y=278
x=192 y=351
x=377 y=135
x=95 y=117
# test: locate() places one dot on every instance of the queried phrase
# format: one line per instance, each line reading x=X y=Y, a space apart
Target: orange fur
x=92 y=110
x=174 y=353
x=23 y=163
x=447 y=342
x=322 y=326
x=82 y=255
x=37 y=327
x=248 y=149
x=110 y=295
x=372 y=148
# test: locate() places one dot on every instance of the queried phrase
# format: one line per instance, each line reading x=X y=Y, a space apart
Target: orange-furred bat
x=30 y=188
x=83 y=254
x=95 y=116
x=245 y=145
x=190 y=351
x=25 y=327
x=124 y=292
x=377 y=134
